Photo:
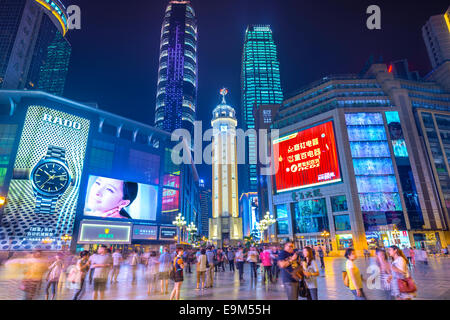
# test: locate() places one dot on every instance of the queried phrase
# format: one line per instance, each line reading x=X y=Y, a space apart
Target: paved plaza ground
x=432 y=281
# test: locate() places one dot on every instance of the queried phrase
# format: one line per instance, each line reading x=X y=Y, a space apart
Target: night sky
x=115 y=54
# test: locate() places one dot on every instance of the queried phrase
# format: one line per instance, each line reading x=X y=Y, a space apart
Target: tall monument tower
x=225 y=226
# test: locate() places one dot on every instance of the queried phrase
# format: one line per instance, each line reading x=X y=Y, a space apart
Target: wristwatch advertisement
x=50 y=178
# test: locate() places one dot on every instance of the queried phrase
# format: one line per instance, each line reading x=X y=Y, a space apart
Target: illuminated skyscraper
x=225 y=227
x=176 y=96
x=34 y=53
x=261 y=84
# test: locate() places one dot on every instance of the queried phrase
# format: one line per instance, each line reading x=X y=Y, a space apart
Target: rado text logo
x=62 y=122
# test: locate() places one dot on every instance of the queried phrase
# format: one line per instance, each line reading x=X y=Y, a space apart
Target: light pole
x=66 y=238
x=179 y=222
x=191 y=228
x=268 y=221
x=325 y=234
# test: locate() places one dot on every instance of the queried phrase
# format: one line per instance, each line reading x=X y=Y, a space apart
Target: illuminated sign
x=95 y=232
x=167 y=233
x=62 y=122
x=143 y=232
x=56 y=8
x=44 y=190
x=307 y=158
x=113 y=198
x=170 y=201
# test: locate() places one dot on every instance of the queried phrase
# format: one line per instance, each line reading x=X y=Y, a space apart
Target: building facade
x=380 y=189
x=205 y=209
x=70 y=169
x=436 y=34
x=34 y=53
x=176 y=98
x=260 y=84
x=225 y=226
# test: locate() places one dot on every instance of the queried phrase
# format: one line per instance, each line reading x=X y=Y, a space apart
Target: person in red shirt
x=266 y=261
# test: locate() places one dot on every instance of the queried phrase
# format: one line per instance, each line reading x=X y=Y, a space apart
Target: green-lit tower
x=260 y=85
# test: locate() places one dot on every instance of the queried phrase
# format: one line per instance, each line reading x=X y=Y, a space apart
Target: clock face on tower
x=51 y=177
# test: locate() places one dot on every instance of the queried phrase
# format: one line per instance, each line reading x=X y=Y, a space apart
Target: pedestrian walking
x=385 y=272
x=400 y=275
x=178 y=266
x=407 y=255
x=354 y=276
x=240 y=260
x=275 y=269
x=412 y=254
x=101 y=264
x=230 y=258
x=54 y=273
x=321 y=257
x=80 y=271
x=117 y=260
x=252 y=258
x=152 y=265
x=210 y=269
x=202 y=266
x=164 y=268
x=288 y=262
x=92 y=270
x=134 y=263
x=266 y=260
x=310 y=272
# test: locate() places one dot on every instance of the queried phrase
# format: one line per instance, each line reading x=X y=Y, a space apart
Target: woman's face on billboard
x=106 y=194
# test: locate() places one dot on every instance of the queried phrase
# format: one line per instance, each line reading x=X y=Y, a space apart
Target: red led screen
x=307 y=158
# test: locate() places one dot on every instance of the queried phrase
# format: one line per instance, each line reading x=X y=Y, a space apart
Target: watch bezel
x=46 y=161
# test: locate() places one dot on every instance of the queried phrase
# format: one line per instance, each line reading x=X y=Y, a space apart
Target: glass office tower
x=260 y=85
x=176 y=97
x=34 y=53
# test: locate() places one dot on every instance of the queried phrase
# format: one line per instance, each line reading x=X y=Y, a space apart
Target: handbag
x=302 y=289
x=407 y=285
x=297 y=273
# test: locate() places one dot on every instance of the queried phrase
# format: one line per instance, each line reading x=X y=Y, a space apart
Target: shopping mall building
x=373 y=151
x=72 y=170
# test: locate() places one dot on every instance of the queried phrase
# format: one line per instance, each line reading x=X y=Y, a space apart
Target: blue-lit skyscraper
x=176 y=97
x=34 y=53
x=261 y=84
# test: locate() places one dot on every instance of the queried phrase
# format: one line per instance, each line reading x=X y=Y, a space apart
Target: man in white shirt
x=117 y=259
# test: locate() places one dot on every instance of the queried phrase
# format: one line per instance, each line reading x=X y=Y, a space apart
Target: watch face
x=51 y=177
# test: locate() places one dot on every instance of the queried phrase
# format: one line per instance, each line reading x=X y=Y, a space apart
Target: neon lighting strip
x=55 y=13
x=447 y=20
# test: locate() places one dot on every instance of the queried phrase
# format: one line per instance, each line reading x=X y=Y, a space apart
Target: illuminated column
x=225 y=225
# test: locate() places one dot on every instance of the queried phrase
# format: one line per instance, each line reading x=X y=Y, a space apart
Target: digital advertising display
x=167 y=233
x=114 y=198
x=144 y=232
x=44 y=189
x=98 y=232
x=307 y=158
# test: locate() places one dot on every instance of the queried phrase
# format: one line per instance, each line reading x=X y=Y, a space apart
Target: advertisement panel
x=44 y=190
x=99 y=232
x=113 y=198
x=307 y=158
x=145 y=232
x=167 y=233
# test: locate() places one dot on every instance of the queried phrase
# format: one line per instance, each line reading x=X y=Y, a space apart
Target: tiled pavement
x=433 y=283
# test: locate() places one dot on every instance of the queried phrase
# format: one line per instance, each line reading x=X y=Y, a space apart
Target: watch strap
x=45 y=205
x=54 y=152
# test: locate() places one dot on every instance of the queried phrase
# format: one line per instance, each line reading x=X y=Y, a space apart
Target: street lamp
x=325 y=234
x=266 y=222
x=191 y=228
x=2 y=201
x=66 y=238
x=179 y=222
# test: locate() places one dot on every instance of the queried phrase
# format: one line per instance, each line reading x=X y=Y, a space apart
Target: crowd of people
x=298 y=270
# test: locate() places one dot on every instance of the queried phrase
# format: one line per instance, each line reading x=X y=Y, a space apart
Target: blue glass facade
x=310 y=216
x=375 y=178
x=176 y=97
